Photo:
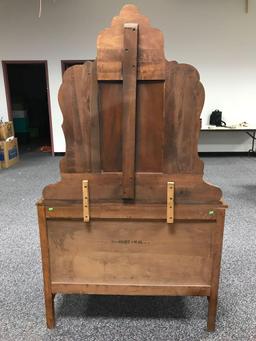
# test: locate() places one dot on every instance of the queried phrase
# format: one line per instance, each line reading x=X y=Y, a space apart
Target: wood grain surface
x=110 y=47
x=150 y=187
x=130 y=252
x=111 y=125
x=78 y=99
x=184 y=99
x=129 y=109
x=131 y=122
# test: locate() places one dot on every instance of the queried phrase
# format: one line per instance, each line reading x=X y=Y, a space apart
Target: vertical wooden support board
x=217 y=240
x=170 y=202
x=48 y=295
x=95 y=125
x=129 y=108
x=86 y=211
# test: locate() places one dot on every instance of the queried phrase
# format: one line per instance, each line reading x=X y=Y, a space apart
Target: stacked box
x=9 y=153
x=6 y=130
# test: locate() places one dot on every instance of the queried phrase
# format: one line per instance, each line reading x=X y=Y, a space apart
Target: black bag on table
x=216 y=119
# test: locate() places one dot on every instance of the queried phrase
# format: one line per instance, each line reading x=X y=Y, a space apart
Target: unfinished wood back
x=131 y=113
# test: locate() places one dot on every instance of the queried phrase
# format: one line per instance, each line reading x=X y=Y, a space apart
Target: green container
x=21 y=125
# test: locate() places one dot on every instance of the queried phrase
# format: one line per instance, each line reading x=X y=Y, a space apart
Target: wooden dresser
x=131 y=214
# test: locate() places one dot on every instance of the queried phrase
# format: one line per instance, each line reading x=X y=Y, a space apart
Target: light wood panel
x=151 y=61
x=138 y=253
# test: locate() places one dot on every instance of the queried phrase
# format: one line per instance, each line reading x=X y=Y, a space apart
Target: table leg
x=253 y=137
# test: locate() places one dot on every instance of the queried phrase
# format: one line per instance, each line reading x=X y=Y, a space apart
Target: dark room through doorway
x=28 y=104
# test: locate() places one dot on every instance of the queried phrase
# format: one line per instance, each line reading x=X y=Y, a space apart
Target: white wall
x=216 y=36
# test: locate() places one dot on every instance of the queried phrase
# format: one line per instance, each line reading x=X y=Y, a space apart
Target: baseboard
x=203 y=154
x=59 y=154
x=206 y=154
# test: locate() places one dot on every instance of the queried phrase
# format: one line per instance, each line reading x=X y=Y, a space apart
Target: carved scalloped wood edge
x=184 y=100
x=150 y=188
x=151 y=61
x=78 y=99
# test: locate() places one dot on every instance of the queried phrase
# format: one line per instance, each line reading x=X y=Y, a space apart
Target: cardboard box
x=9 y=153
x=6 y=130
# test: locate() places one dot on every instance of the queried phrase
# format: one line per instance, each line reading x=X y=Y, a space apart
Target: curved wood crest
x=151 y=60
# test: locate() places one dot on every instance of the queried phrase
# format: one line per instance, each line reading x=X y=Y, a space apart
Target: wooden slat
x=111 y=125
x=130 y=211
x=170 y=202
x=129 y=108
x=150 y=188
x=78 y=99
x=184 y=99
x=158 y=290
x=94 y=120
x=86 y=212
x=149 y=126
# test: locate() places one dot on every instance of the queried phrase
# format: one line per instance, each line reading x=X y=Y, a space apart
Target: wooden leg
x=48 y=295
x=49 y=309
x=217 y=248
x=212 y=310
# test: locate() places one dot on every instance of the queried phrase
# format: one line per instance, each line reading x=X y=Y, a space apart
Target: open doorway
x=27 y=94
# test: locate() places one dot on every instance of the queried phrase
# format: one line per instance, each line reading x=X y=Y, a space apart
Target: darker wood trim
x=129 y=109
x=148 y=290
x=8 y=94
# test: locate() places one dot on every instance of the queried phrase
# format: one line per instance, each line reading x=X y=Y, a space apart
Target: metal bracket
x=170 y=202
x=85 y=190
